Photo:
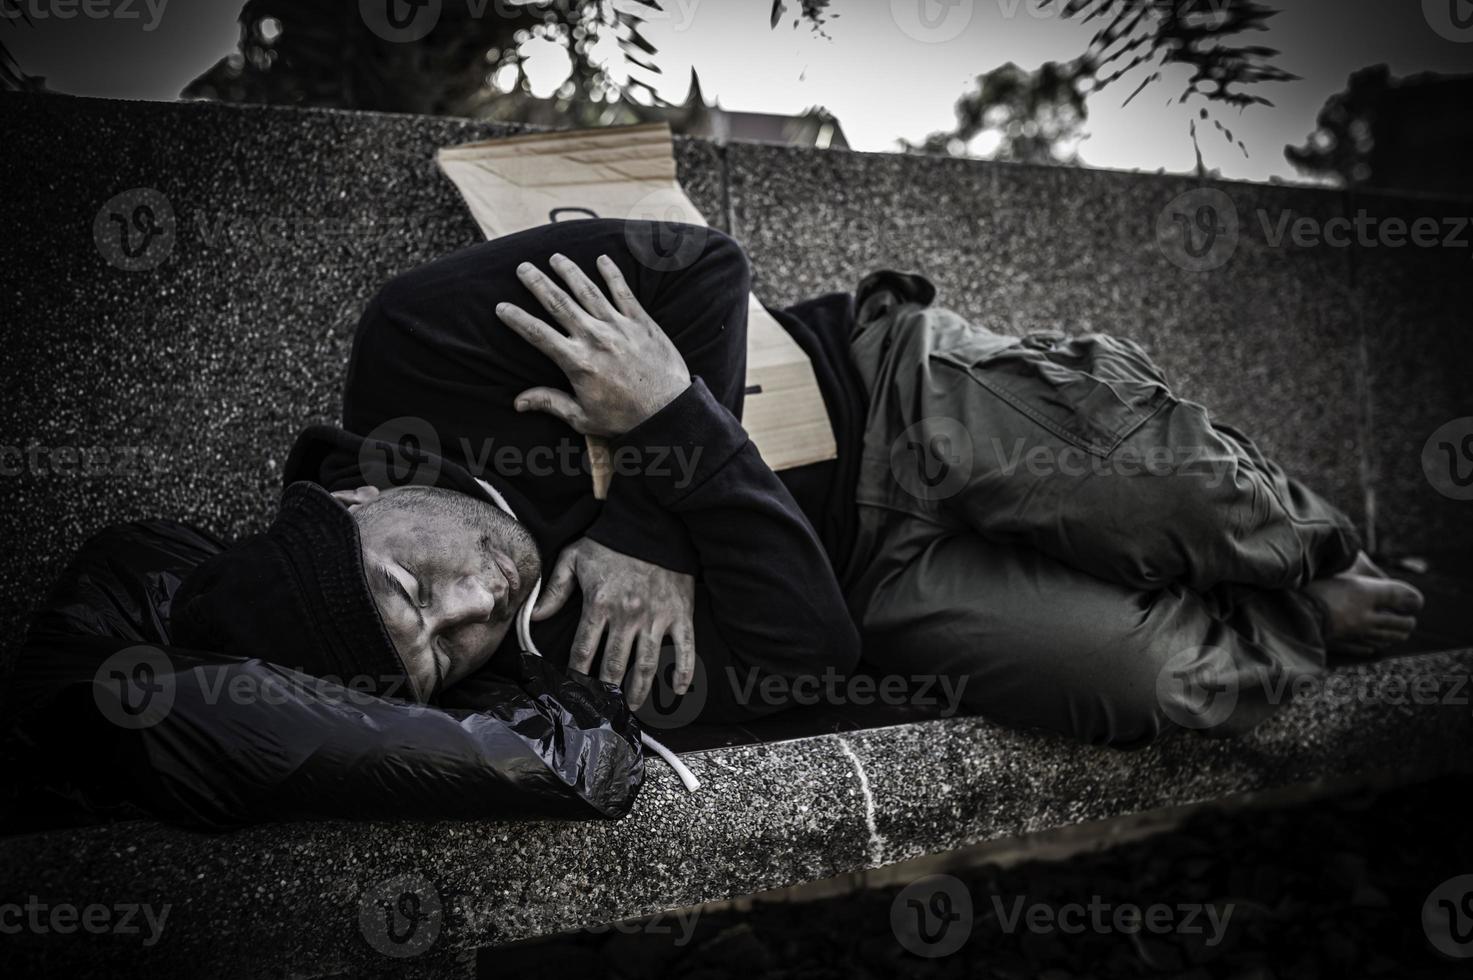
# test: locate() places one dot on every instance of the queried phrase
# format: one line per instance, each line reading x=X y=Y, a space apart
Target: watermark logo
x=400 y=21
x=932 y=916
x=1197 y=688
x=65 y=918
x=401 y=452
x=660 y=232
x=39 y=10
x=401 y=916
x=134 y=688
x=932 y=459
x=664 y=709
x=1103 y=916
x=135 y=230
x=1451 y=19
x=1198 y=231
x=932 y=21
x=1447 y=459
x=1447 y=917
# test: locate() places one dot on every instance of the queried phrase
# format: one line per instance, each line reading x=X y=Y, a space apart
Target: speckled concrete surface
x=177 y=390
x=285 y=900
x=207 y=365
x=1266 y=337
x=1416 y=303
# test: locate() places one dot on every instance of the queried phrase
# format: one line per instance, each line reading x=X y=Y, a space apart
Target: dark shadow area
x=1333 y=888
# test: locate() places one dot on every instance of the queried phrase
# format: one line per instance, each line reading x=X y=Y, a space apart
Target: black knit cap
x=296 y=596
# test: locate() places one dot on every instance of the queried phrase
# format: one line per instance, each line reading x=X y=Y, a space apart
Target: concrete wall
x=179 y=387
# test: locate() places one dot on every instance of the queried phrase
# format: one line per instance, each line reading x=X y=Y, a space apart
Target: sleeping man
x=1040 y=520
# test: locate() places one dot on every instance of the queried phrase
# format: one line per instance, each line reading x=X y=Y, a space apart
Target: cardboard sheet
x=628 y=172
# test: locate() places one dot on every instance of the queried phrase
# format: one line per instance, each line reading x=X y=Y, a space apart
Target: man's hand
x=622 y=366
x=638 y=602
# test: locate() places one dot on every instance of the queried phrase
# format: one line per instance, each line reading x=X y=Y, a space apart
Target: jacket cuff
x=673 y=452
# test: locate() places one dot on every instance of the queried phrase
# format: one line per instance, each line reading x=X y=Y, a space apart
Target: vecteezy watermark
x=1447 y=917
x=1197 y=688
x=140 y=229
x=1198 y=231
x=87 y=462
x=134 y=688
x=1364 y=230
x=401 y=916
x=407 y=451
x=1211 y=467
x=933 y=459
x=932 y=916
x=1451 y=19
x=135 y=231
x=937 y=691
x=1101 y=916
x=65 y=918
x=933 y=21
x=148 y=12
x=665 y=709
x=408 y=21
x=138 y=687
x=662 y=232
x=1447 y=459
x=680 y=923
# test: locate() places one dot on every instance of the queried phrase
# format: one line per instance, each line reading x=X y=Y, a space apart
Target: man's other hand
x=622 y=366
x=638 y=603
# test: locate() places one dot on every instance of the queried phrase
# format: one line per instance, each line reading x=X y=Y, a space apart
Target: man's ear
x=353 y=499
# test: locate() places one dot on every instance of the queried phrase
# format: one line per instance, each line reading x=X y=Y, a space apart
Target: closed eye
x=398 y=587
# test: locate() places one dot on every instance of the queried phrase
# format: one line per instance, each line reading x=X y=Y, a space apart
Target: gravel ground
x=1331 y=889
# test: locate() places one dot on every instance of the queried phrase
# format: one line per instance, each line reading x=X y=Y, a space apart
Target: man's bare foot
x=1365 y=612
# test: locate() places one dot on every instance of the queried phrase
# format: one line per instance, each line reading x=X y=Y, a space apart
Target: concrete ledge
x=285 y=899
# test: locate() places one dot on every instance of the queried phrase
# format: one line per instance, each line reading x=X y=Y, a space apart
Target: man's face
x=448 y=573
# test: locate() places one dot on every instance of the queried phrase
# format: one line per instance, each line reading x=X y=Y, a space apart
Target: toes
x=1393 y=623
x=1381 y=639
x=1399 y=597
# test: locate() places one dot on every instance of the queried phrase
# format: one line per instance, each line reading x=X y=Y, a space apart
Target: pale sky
x=888 y=69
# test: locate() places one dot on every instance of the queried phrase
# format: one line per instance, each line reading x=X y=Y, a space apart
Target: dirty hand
x=622 y=366
x=639 y=603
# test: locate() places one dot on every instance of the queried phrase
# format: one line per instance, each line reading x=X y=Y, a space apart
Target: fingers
x=584 y=291
x=554 y=402
x=556 y=587
x=585 y=641
x=537 y=333
x=685 y=656
x=616 y=652
x=642 y=675
x=564 y=309
x=619 y=288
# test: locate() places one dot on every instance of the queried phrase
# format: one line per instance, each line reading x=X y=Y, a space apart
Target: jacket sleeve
x=774 y=597
x=213 y=741
x=431 y=347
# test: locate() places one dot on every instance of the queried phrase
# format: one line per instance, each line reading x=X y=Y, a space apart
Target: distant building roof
x=816 y=127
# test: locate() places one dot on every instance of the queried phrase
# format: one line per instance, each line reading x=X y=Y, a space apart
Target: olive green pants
x=1044 y=518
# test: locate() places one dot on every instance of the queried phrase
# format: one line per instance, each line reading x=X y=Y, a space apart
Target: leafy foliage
x=322 y=53
x=1036 y=115
x=12 y=77
x=1136 y=41
x=1343 y=140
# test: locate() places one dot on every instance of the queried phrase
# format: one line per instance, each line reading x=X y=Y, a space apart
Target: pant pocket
x=1090 y=391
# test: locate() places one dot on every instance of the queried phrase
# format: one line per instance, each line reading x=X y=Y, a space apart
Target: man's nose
x=474 y=599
